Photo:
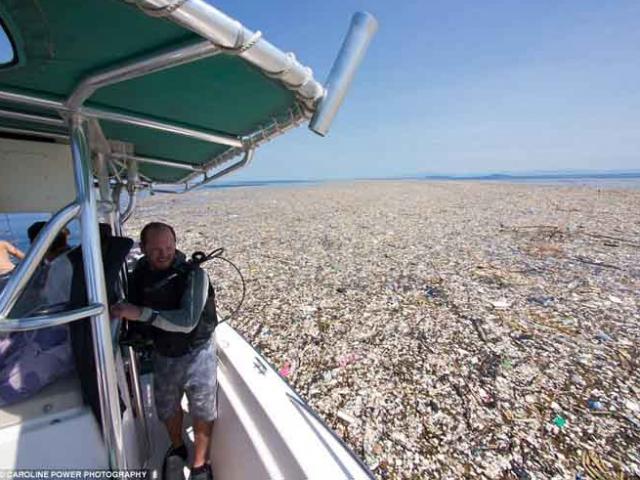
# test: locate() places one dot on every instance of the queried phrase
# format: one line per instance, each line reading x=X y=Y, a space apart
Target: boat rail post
x=132 y=188
x=106 y=200
x=97 y=293
x=130 y=355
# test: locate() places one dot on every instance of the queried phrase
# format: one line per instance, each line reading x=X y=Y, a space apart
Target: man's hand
x=6 y=252
x=126 y=310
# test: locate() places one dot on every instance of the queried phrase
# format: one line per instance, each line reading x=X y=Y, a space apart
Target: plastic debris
x=542 y=300
x=520 y=472
x=348 y=359
x=286 y=369
x=631 y=405
x=345 y=417
x=595 y=405
x=559 y=421
x=501 y=304
x=506 y=363
x=404 y=274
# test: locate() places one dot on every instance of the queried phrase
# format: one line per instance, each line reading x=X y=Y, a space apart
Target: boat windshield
x=7 y=52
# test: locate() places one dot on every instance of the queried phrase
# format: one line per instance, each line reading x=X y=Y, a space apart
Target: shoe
x=174 y=462
x=201 y=473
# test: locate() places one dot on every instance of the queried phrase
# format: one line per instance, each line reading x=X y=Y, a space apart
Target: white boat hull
x=264 y=429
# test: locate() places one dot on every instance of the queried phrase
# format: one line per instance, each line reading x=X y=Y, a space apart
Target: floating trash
x=595 y=405
x=545 y=301
x=501 y=304
x=478 y=309
x=286 y=369
x=559 y=421
x=347 y=359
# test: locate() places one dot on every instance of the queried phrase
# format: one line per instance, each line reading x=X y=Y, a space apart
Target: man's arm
x=182 y=320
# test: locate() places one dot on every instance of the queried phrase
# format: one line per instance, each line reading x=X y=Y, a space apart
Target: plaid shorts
x=193 y=374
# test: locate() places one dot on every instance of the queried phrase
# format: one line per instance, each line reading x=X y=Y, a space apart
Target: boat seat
x=53 y=429
x=114 y=254
x=61 y=395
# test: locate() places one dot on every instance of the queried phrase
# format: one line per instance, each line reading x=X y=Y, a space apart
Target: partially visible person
x=56 y=288
x=33 y=359
x=7 y=250
x=58 y=246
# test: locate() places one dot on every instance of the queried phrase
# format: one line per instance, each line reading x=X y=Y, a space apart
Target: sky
x=462 y=87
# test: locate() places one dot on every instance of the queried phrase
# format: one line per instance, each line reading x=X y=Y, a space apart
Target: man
x=176 y=300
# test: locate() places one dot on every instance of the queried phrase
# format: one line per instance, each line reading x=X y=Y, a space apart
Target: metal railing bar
x=161 y=126
x=23 y=273
x=248 y=156
x=97 y=293
x=255 y=140
x=28 y=117
x=42 y=321
x=155 y=161
x=34 y=133
x=30 y=100
x=140 y=67
x=100 y=114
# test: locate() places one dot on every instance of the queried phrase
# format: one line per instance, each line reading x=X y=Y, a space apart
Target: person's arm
x=182 y=320
x=6 y=251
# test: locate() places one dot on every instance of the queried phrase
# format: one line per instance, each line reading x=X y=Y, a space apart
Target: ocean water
x=264 y=183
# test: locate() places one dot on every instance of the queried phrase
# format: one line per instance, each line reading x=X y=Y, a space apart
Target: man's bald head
x=158 y=243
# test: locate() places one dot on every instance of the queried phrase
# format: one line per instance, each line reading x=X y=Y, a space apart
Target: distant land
x=524 y=176
x=539 y=175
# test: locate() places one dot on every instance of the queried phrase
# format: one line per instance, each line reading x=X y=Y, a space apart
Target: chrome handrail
x=43 y=321
x=97 y=293
x=138 y=403
x=152 y=63
x=157 y=161
x=138 y=121
x=112 y=116
x=23 y=273
x=245 y=160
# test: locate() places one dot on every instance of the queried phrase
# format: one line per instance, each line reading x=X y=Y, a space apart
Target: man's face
x=160 y=248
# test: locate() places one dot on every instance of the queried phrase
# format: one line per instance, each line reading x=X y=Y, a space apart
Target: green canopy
x=58 y=43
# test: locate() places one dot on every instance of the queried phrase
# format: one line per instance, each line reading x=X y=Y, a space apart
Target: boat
x=101 y=101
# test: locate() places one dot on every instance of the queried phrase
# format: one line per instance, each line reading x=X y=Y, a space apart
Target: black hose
x=198 y=258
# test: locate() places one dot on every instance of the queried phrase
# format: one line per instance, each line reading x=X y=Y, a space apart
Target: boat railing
x=25 y=270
